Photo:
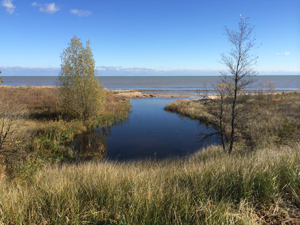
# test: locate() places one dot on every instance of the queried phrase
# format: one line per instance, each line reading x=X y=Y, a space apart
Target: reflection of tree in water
x=209 y=136
x=91 y=146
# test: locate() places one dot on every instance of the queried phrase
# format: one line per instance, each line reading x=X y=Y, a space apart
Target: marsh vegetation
x=45 y=133
x=245 y=187
x=271 y=118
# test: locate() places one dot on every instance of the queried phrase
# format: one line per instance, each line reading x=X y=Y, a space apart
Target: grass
x=43 y=103
x=206 y=188
x=270 y=118
x=193 y=109
x=116 y=91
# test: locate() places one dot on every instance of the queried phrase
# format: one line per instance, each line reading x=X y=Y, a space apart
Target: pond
x=149 y=132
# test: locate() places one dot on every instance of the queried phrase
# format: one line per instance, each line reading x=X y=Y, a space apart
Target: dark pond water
x=149 y=130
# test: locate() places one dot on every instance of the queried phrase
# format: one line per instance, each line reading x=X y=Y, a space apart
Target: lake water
x=149 y=130
x=153 y=84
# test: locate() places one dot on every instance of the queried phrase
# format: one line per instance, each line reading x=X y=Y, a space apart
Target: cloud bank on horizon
x=121 y=71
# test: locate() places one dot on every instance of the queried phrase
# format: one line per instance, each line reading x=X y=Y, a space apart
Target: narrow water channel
x=149 y=131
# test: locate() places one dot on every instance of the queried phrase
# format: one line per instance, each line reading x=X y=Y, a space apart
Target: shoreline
x=125 y=94
x=136 y=94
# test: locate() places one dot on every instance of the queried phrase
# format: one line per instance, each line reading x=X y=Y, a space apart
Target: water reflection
x=149 y=131
x=91 y=146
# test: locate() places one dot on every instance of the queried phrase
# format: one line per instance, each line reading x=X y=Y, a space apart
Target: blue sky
x=146 y=37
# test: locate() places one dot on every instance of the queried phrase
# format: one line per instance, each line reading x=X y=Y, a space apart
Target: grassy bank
x=269 y=118
x=207 y=188
x=44 y=134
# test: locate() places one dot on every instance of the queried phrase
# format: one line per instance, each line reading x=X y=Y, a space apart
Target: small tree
x=1 y=79
x=239 y=64
x=81 y=95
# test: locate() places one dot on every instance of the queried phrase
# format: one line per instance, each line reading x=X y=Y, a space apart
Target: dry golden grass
x=49 y=134
x=43 y=101
x=270 y=118
x=207 y=188
x=118 y=91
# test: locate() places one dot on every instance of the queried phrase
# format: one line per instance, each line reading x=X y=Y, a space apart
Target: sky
x=146 y=37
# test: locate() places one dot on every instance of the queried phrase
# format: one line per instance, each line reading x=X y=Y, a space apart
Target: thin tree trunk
x=221 y=123
x=233 y=118
x=234 y=103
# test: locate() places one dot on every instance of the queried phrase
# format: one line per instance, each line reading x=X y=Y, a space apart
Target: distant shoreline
x=136 y=94
x=152 y=75
x=187 y=85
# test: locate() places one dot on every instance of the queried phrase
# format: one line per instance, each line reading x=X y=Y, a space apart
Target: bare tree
x=237 y=78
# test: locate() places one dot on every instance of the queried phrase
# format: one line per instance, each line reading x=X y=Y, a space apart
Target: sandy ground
x=136 y=94
x=132 y=95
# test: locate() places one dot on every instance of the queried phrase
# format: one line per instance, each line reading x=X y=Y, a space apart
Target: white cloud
x=279 y=72
x=134 y=71
x=142 y=71
x=29 y=71
x=287 y=53
x=35 y=4
x=277 y=53
x=80 y=12
x=47 y=8
x=10 y=8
